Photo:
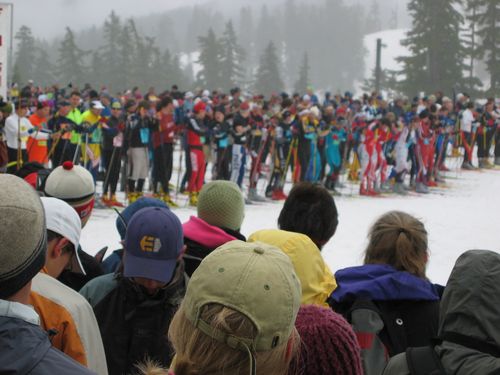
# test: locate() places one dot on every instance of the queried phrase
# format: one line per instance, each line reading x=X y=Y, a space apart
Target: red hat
x=200 y=106
x=329 y=345
x=244 y=106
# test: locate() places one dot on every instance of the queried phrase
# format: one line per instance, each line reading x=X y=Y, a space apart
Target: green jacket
x=471 y=307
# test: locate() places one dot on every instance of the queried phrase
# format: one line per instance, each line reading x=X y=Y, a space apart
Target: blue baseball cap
x=153 y=242
x=123 y=219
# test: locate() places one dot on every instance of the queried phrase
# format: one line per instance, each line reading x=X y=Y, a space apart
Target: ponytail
x=399 y=240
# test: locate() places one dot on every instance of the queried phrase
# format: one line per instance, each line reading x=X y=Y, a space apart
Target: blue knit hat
x=124 y=218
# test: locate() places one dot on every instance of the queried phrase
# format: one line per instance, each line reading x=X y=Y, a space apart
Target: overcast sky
x=48 y=18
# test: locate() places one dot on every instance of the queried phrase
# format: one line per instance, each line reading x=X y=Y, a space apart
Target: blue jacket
x=26 y=349
x=380 y=282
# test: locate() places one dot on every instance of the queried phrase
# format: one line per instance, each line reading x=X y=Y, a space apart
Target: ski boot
x=278 y=195
x=114 y=202
x=193 y=199
x=399 y=189
x=169 y=201
x=497 y=160
x=431 y=183
x=421 y=188
x=444 y=168
x=363 y=190
x=487 y=164
x=132 y=197
x=253 y=196
x=467 y=166
x=106 y=201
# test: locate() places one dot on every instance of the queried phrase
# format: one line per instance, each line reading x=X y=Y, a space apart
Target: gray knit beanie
x=221 y=204
x=23 y=235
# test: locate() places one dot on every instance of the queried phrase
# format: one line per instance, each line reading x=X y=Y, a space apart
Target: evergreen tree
x=98 y=78
x=25 y=55
x=70 y=63
x=246 y=30
x=210 y=59
x=268 y=77
x=303 y=81
x=139 y=56
x=373 y=23
x=232 y=58
x=176 y=75
x=471 y=47
x=293 y=38
x=488 y=24
x=111 y=64
x=43 y=69
x=126 y=53
x=436 y=60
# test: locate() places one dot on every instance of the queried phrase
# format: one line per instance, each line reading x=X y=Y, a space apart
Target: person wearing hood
x=469 y=337
x=389 y=301
x=221 y=209
x=314 y=274
x=134 y=307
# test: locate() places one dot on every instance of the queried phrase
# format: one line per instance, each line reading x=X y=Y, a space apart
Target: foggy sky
x=48 y=18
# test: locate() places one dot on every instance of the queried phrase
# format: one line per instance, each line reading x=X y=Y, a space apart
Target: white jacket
x=11 y=131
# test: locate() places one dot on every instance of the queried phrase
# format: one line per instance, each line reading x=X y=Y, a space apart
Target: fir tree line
x=300 y=27
x=447 y=40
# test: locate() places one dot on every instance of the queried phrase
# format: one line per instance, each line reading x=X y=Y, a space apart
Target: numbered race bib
x=144 y=135
x=223 y=143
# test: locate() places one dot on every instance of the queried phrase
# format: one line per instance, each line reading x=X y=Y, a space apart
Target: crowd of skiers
x=201 y=298
x=128 y=139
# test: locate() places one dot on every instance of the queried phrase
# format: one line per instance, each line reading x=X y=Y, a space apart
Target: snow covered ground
x=464 y=215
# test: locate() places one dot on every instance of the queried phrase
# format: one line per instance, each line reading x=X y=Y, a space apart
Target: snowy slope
x=392 y=48
x=464 y=216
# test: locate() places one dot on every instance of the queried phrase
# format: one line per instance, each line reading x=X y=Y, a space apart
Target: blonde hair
x=399 y=240
x=197 y=353
x=150 y=367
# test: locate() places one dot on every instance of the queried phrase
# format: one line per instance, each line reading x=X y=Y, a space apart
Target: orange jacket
x=37 y=149
x=69 y=314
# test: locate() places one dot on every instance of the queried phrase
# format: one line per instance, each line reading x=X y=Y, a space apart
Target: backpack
x=368 y=325
x=379 y=330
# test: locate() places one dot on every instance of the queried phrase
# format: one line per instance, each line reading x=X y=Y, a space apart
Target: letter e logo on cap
x=150 y=244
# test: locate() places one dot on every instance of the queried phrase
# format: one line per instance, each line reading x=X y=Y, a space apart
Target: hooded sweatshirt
x=470 y=308
x=201 y=239
x=315 y=277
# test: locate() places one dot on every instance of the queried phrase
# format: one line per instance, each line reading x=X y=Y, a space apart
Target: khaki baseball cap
x=254 y=279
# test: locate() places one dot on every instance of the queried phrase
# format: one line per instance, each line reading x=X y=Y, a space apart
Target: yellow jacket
x=317 y=280
x=67 y=312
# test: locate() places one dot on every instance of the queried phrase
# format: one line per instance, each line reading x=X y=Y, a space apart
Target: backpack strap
x=424 y=361
x=471 y=343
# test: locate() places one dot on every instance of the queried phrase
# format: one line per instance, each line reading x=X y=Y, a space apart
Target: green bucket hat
x=254 y=279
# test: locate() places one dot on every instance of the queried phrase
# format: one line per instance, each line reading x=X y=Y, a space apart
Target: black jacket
x=134 y=325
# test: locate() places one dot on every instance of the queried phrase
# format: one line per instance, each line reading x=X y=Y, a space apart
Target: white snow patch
x=463 y=216
x=191 y=58
x=391 y=49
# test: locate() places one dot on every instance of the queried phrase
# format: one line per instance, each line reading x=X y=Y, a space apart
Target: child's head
x=399 y=240
x=238 y=313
